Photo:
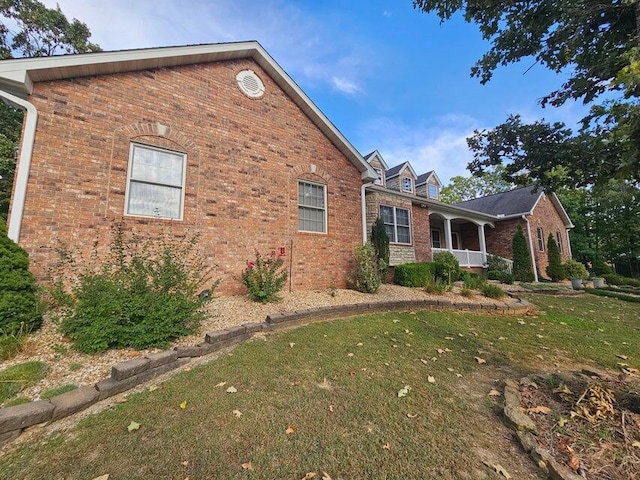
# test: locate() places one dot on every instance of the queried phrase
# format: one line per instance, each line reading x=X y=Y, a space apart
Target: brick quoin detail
x=244 y=158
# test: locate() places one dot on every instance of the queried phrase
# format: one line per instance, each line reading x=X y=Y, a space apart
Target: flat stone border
x=526 y=431
x=126 y=375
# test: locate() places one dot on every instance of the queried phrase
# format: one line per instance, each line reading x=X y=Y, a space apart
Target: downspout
x=533 y=256
x=23 y=165
x=363 y=205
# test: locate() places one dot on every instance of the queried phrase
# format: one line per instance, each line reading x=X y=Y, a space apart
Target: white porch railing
x=466 y=258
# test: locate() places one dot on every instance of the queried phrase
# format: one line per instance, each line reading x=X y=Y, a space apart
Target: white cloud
x=346 y=86
x=386 y=13
x=440 y=145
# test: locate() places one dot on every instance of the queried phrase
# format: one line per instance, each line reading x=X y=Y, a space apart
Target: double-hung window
x=559 y=241
x=396 y=223
x=155 y=186
x=540 y=240
x=435 y=239
x=407 y=184
x=312 y=207
x=433 y=191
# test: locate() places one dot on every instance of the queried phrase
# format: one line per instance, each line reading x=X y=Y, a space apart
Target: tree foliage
x=467 y=188
x=598 y=46
x=522 y=270
x=554 y=269
x=29 y=29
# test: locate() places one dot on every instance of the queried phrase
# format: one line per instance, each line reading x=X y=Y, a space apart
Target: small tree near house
x=521 y=257
x=555 y=270
x=380 y=241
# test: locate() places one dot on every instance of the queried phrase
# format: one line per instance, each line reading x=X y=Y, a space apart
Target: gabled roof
x=424 y=178
x=520 y=201
x=370 y=157
x=17 y=77
x=395 y=171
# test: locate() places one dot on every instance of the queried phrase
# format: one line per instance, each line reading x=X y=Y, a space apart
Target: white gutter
x=533 y=255
x=363 y=204
x=22 y=166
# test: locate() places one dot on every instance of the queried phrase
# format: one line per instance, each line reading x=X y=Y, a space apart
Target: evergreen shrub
x=413 y=274
x=380 y=241
x=366 y=274
x=555 y=270
x=522 y=270
x=575 y=270
x=446 y=266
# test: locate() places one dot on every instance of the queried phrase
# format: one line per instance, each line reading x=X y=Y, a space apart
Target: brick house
x=418 y=224
x=209 y=139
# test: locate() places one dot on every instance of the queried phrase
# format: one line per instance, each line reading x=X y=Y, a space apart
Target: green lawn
x=334 y=386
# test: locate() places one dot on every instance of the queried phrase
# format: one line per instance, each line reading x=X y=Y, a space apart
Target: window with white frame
x=312 y=207
x=540 y=240
x=378 y=181
x=559 y=241
x=407 y=184
x=433 y=191
x=396 y=223
x=435 y=239
x=155 y=185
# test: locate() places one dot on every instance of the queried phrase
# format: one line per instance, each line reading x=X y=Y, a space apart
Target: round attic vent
x=250 y=83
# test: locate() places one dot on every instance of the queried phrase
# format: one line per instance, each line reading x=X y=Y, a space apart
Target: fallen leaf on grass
x=423 y=361
x=431 y=379
x=349 y=354
x=459 y=375
x=133 y=426
x=309 y=475
x=359 y=344
x=480 y=360
x=539 y=409
x=221 y=384
x=102 y=477
x=325 y=476
x=185 y=463
x=623 y=357
x=498 y=469
x=636 y=444
x=153 y=388
x=412 y=415
x=440 y=351
x=396 y=321
x=247 y=466
x=448 y=338
x=291 y=344
x=331 y=408
x=237 y=413
x=121 y=398
x=183 y=405
x=562 y=422
x=386 y=446
x=231 y=390
x=494 y=393
x=289 y=430
x=404 y=391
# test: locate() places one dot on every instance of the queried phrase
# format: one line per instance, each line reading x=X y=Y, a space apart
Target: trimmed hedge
x=414 y=274
x=608 y=293
x=613 y=279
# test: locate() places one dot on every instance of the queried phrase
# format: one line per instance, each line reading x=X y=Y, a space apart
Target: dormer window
x=407 y=184
x=378 y=180
x=433 y=191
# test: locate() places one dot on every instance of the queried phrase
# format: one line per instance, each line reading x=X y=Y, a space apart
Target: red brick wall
x=546 y=216
x=244 y=158
x=499 y=239
x=421 y=233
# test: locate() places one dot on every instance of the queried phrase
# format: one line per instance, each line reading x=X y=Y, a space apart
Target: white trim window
x=397 y=224
x=435 y=238
x=312 y=207
x=559 y=241
x=433 y=191
x=155 y=182
x=540 y=239
x=379 y=180
x=407 y=184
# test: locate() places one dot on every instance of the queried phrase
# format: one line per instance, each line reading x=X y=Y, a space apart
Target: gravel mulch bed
x=67 y=366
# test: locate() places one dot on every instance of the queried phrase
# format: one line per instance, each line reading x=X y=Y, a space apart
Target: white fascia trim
x=23 y=165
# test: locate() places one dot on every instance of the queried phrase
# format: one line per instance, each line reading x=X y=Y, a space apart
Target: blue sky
x=389 y=77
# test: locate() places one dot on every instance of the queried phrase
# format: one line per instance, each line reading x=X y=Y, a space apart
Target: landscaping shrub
x=413 y=274
x=619 y=295
x=20 y=309
x=497 y=264
x=366 y=277
x=494 y=275
x=492 y=291
x=504 y=277
x=466 y=292
x=438 y=286
x=264 y=278
x=446 y=266
x=522 y=270
x=600 y=268
x=613 y=279
x=575 y=270
x=473 y=282
x=555 y=270
x=380 y=241
x=144 y=294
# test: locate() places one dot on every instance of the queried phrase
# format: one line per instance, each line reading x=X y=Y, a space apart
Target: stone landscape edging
x=127 y=375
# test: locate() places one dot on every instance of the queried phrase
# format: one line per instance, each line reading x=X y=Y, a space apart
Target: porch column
x=483 y=244
x=447 y=234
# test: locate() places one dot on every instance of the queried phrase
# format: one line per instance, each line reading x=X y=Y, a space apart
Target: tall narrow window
x=378 y=181
x=435 y=239
x=433 y=191
x=540 y=240
x=559 y=241
x=407 y=184
x=396 y=222
x=312 y=210
x=155 y=187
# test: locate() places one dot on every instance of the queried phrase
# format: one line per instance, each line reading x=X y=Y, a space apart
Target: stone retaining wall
x=126 y=375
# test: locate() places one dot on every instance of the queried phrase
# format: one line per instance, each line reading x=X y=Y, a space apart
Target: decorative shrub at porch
x=555 y=270
x=414 y=274
x=264 y=278
x=380 y=241
x=366 y=275
x=144 y=294
x=446 y=267
x=522 y=270
x=19 y=305
x=576 y=270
